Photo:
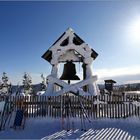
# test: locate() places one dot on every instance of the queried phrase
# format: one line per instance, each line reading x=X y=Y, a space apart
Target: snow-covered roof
x=110 y=81
x=63 y=41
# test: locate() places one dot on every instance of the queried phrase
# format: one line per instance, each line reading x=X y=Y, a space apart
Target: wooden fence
x=107 y=106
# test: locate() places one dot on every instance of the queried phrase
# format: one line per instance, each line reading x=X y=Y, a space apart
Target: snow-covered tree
x=43 y=83
x=27 y=84
x=5 y=85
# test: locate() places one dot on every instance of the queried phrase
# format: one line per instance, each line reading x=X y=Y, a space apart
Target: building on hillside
x=109 y=84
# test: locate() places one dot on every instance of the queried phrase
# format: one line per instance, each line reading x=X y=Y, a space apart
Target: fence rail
x=107 y=106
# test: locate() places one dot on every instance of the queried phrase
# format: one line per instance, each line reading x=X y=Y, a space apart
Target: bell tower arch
x=70 y=48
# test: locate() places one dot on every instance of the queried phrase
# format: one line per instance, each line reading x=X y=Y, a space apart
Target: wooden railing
x=107 y=106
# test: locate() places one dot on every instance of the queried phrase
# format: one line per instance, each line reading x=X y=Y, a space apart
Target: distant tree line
x=127 y=87
x=123 y=88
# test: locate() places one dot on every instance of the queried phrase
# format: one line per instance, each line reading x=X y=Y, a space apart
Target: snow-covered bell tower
x=70 y=49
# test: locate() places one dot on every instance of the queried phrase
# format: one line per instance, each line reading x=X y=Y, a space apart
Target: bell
x=69 y=72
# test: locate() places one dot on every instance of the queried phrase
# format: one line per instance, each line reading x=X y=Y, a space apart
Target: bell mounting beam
x=73 y=88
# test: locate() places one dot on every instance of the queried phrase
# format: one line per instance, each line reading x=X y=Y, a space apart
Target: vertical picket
x=118 y=106
x=107 y=106
x=116 y=102
x=92 y=106
x=28 y=101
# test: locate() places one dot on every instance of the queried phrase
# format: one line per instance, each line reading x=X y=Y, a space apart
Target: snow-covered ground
x=47 y=128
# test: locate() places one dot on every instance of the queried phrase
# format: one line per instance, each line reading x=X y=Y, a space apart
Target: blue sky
x=28 y=29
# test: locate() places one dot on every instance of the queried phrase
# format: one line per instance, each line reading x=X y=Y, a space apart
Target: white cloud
x=121 y=75
x=132 y=70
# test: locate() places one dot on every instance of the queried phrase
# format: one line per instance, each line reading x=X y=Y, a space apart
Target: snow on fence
x=107 y=106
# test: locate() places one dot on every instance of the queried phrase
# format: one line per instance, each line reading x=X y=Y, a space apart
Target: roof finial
x=69 y=29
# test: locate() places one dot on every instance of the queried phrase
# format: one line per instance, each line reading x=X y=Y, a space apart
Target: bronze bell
x=69 y=72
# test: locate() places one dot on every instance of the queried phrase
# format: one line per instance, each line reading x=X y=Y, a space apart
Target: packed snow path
x=50 y=129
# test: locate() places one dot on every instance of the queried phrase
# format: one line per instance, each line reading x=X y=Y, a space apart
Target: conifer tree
x=43 y=83
x=27 y=84
x=5 y=86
